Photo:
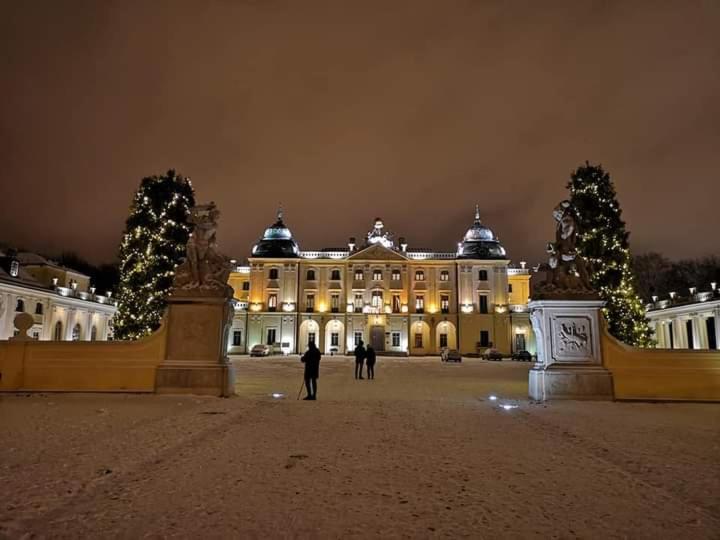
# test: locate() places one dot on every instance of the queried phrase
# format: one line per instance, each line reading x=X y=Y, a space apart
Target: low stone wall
x=661 y=374
x=62 y=366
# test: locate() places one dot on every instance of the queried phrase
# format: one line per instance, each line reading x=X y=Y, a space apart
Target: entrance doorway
x=519 y=342
x=377 y=338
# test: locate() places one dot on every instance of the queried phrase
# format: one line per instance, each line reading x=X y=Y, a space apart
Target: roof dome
x=480 y=242
x=277 y=241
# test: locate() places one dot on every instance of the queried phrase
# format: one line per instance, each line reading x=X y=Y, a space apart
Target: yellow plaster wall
x=84 y=366
x=236 y=280
x=661 y=374
x=520 y=289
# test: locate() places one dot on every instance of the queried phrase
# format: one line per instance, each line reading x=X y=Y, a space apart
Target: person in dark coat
x=311 y=359
x=360 y=354
x=370 y=362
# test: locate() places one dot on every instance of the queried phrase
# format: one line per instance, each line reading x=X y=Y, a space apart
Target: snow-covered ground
x=419 y=452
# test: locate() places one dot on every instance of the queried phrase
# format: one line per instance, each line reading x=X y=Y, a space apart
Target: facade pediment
x=377 y=253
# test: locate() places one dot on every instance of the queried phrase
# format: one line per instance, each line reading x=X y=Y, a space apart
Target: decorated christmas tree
x=152 y=246
x=603 y=241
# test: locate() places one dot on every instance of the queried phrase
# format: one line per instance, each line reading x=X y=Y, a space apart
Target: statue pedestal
x=196 y=357
x=569 y=359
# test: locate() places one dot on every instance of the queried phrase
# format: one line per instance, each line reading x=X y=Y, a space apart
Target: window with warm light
x=419 y=275
x=359 y=275
x=359 y=303
x=444 y=275
x=419 y=304
x=377 y=275
x=335 y=303
x=396 y=275
x=396 y=304
x=445 y=304
x=377 y=299
x=272 y=302
x=310 y=303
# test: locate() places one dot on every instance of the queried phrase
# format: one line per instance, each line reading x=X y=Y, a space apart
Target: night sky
x=343 y=111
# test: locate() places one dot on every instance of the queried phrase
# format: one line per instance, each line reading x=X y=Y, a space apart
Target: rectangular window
x=36 y=335
x=444 y=275
x=419 y=275
x=689 y=330
x=396 y=339
x=335 y=276
x=334 y=339
x=377 y=275
x=273 y=273
x=483 y=303
x=520 y=342
x=712 y=338
x=359 y=275
x=237 y=338
x=359 y=303
x=482 y=275
x=443 y=340
x=310 y=303
x=418 y=341
x=396 y=275
x=396 y=305
x=271 y=336
x=272 y=302
x=509 y=287
x=246 y=286
x=311 y=337
x=335 y=303
x=358 y=338
x=419 y=304
x=445 y=303
x=484 y=338
x=377 y=299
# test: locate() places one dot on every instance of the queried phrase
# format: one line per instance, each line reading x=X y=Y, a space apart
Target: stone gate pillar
x=199 y=316
x=569 y=358
x=196 y=359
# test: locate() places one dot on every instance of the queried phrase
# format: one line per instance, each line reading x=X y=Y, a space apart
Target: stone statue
x=204 y=270
x=566 y=270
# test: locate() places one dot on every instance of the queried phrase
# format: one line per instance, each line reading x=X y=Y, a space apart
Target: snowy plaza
x=422 y=451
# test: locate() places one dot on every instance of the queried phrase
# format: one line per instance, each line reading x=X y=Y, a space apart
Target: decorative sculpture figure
x=204 y=268
x=566 y=270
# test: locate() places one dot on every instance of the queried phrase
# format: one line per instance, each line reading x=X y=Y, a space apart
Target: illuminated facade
x=402 y=301
x=63 y=304
x=691 y=322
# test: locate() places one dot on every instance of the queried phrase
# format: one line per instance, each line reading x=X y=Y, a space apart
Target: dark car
x=522 y=356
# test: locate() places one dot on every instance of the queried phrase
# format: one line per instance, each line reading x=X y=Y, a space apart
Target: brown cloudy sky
x=342 y=111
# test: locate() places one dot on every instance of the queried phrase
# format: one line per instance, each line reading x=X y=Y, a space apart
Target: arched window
x=335 y=276
x=14 y=268
x=20 y=305
x=311 y=275
x=273 y=273
x=57 y=335
x=77 y=330
x=38 y=309
x=93 y=333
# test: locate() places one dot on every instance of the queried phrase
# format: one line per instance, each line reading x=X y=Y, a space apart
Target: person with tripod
x=311 y=359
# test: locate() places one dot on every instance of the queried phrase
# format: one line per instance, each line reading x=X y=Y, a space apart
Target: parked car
x=522 y=356
x=260 y=350
x=450 y=355
x=491 y=354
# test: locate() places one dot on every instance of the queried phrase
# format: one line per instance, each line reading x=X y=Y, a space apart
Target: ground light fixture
x=277 y=395
x=492 y=397
x=508 y=406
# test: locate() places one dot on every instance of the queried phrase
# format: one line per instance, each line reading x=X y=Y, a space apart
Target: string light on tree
x=603 y=241
x=153 y=244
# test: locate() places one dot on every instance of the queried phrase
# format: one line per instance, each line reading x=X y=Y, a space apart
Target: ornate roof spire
x=477 y=213
x=280 y=212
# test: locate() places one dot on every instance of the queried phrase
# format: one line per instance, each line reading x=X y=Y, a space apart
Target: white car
x=260 y=350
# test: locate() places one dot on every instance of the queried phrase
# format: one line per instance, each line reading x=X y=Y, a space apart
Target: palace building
x=402 y=301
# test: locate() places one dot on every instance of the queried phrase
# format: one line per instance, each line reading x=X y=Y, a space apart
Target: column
x=716 y=314
x=697 y=333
